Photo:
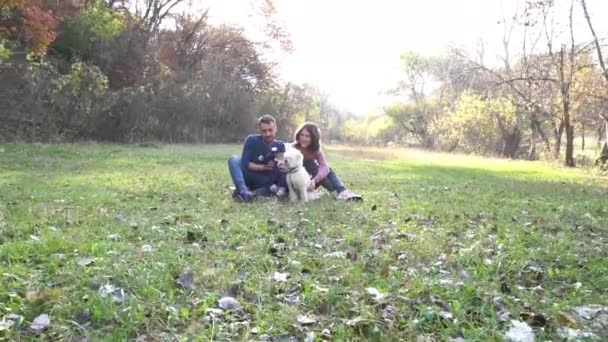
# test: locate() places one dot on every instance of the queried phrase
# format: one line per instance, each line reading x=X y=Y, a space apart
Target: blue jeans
x=243 y=179
x=332 y=182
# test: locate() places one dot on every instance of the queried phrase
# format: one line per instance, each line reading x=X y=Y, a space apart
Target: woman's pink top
x=319 y=157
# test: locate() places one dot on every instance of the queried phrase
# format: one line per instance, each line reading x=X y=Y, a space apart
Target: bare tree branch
x=596 y=41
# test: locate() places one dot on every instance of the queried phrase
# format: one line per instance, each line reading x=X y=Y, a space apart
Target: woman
x=308 y=142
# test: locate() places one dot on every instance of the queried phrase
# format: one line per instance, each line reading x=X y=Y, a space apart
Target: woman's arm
x=323 y=167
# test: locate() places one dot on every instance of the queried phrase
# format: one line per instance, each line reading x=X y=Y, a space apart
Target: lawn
x=132 y=242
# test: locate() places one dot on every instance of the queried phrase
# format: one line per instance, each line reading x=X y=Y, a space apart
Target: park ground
x=145 y=242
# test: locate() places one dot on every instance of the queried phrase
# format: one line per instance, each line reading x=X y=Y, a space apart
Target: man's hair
x=266 y=119
x=315 y=136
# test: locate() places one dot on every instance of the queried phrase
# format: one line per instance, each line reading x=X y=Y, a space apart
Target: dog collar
x=293 y=170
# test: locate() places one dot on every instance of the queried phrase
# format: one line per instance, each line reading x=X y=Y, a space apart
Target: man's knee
x=234 y=160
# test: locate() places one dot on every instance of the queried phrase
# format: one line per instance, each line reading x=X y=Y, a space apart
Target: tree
x=414 y=117
x=477 y=124
x=603 y=114
x=28 y=24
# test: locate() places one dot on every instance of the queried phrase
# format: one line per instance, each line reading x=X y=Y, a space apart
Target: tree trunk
x=510 y=140
x=543 y=136
x=558 y=132
x=511 y=144
x=569 y=144
x=603 y=158
x=532 y=150
x=569 y=128
x=582 y=136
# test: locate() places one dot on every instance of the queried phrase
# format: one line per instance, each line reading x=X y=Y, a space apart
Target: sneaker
x=244 y=195
x=281 y=192
x=274 y=189
x=348 y=195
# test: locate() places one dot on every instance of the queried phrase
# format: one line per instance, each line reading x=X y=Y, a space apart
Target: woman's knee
x=311 y=167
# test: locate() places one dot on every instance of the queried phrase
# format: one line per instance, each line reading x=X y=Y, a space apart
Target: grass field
x=444 y=246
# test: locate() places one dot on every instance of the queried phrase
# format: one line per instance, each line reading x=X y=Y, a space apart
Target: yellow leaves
x=474 y=121
x=567 y=320
x=52 y=294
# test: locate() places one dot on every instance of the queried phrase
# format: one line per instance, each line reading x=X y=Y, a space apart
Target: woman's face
x=304 y=138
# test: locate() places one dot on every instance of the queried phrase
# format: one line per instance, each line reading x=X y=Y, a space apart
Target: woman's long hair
x=315 y=136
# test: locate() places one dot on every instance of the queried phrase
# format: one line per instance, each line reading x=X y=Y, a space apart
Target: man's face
x=268 y=132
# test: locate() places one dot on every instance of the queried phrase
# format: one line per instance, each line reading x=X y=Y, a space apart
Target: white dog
x=298 y=180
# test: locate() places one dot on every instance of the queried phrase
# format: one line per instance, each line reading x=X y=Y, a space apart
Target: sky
x=350 y=49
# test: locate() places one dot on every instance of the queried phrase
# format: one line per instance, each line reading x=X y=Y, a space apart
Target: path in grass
x=95 y=235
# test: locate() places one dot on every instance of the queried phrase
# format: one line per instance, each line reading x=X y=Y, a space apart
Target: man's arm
x=260 y=167
x=248 y=157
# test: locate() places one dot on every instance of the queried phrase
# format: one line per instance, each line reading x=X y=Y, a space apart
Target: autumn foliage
x=28 y=22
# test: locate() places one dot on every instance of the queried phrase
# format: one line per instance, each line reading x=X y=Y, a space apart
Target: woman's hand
x=313 y=185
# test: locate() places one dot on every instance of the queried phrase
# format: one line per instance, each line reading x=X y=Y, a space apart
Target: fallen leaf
x=338 y=255
x=228 y=303
x=320 y=289
x=6 y=324
x=83 y=317
x=307 y=320
x=117 y=294
x=41 y=322
x=352 y=256
x=185 y=279
x=465 y=275
x=589 y=311
x=389 y=314
x=214 y=311
x=120 y=216
x=569 y=334
x=85 y=261
x=539 y=320
x=519 y=332
x=9 y=320
x=567 y=320
x=326 y=333
x=280 y=277
x=354 y=321
x=375 y=293
x=446 y=315
x=58 y=256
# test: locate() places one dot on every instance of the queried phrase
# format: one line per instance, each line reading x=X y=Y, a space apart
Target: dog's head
x=291 y=160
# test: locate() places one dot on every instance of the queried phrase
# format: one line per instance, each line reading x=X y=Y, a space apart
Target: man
x=254 y=171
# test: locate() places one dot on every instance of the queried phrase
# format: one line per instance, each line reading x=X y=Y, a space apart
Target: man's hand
x=261 y=167
x=269 y=166
x=313 y=185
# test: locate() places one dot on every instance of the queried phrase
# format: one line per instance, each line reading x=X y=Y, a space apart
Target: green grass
x=531 y=237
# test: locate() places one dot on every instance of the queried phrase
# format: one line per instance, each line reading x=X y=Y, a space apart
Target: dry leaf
x=307 y=320
x=280 y=277
x=85 y=261
x=520 y=332
x=41 y=322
